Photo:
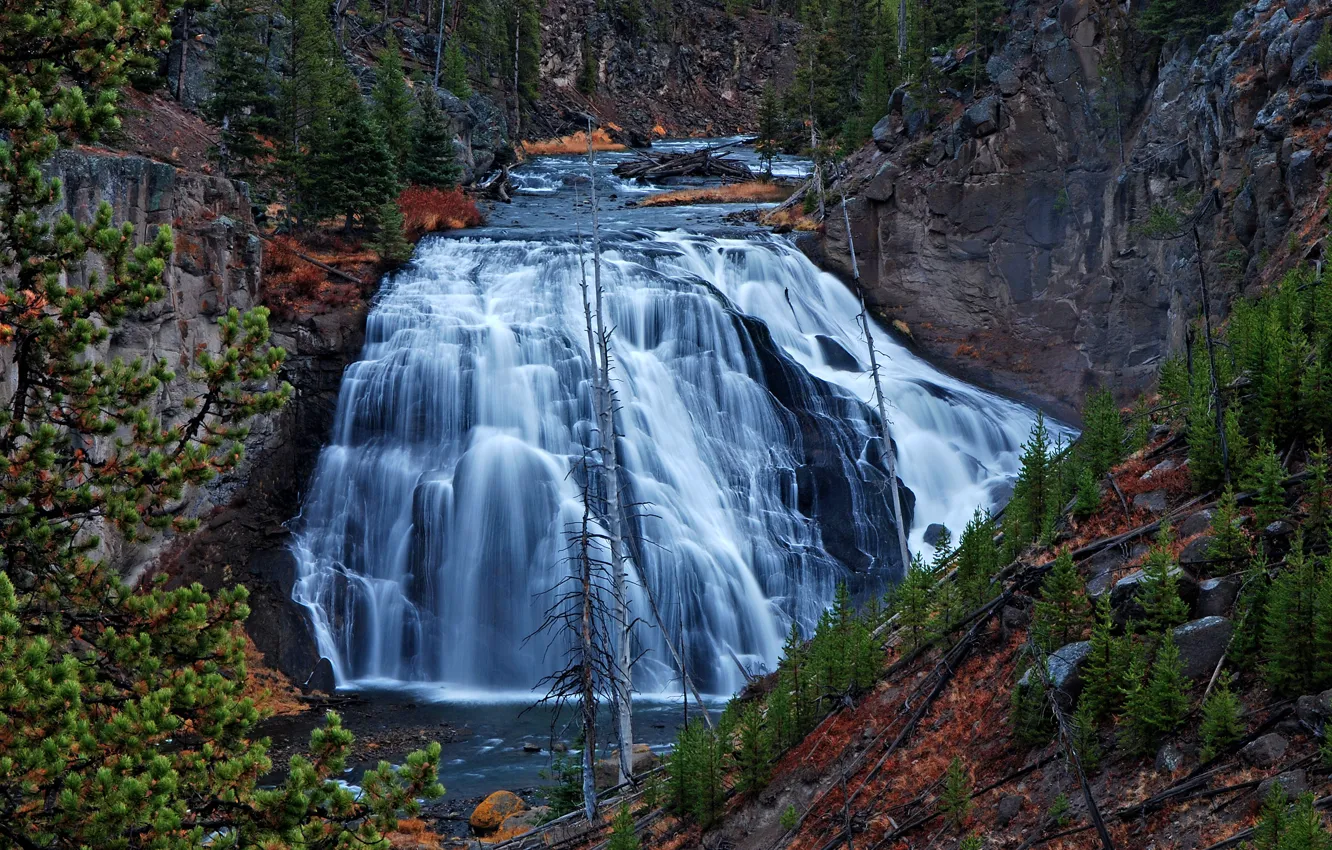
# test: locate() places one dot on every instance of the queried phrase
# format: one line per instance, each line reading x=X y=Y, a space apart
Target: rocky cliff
x=680 y=66
x=1053 y=230
x=216 y=266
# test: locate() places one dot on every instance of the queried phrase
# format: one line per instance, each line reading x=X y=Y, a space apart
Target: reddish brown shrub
x=427 y=210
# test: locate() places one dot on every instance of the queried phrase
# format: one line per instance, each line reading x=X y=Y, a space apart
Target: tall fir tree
x=1062 y=613
x=1266 y=480
x=1107 y=660
x=241 y=105
x=454 y=75
x=913 y=603
x=1229 y=543
x=393 y=104
x=768 y=142
x=1290 y=622
x=432 y=161
x=1163 y=607
x=1221 y=722
x=1102 y=441
x=1032 y=491
x=353 y=176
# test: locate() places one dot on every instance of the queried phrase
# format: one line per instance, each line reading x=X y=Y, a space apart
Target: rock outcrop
x=216 y=266
x=1044 y=237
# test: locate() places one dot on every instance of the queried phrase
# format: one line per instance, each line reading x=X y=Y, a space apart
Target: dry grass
x=575 y=144
x=793 y=219
x=428 y=210
x=413 y=834
x=753 y=191
x=271 y=691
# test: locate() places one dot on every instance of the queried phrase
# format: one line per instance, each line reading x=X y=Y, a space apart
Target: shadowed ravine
x=437 y=521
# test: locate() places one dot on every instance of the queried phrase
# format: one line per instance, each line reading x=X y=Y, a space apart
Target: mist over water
x=437 y=522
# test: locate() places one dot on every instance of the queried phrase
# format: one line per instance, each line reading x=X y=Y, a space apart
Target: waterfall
x=436 y=524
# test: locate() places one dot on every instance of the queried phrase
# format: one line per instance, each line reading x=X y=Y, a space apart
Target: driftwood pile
x=701 y=163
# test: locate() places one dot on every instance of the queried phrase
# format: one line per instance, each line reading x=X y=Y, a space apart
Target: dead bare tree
x=579 y=613
x=598 y=339
x=889 y=454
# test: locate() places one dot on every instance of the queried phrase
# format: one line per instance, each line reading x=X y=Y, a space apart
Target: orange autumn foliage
x=426 y=210
x=572 y=144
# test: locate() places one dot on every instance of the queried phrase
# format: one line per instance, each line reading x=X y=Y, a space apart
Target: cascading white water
x=437 y=521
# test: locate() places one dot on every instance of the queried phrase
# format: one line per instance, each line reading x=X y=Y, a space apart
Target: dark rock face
x=1064 y=669
x=216 y=266
x=684 y=66
x=1013 y=239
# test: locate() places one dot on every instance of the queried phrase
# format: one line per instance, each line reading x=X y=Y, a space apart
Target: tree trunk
x=439 y=41
x=184 y=53
x=888 y=453
x=620 y=620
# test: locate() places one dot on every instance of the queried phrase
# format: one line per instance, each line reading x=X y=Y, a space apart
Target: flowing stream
x=437 y=524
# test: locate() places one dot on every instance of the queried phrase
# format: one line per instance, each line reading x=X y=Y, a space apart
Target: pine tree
x=1104 y=677
x=1272 y=821
x=1290 y=622
x=390 y=243
x=977 y=560
x=431 y=161
x=1088 y=495
x=1029 y=712
x=393 y=102
x=1167 y=689
x=125 y=719
x=1229 y=543
x=454 y=74
x=1139 y=727
x=1031 y=493
x=1062 y=613
x=623 y=836
x=1102 y=441
x=913 y=603
x=1266 y=477
x=755 y=753
x=1304 y=827
x=1250 y=615
x=1162 y=606
x=588 y=72
x=241 y=104
x=1086 y=740
x=1318 y=494
x=354 y=174
x=790 y=817
x=1221 y=723
x=770 y=130
x=955 y=801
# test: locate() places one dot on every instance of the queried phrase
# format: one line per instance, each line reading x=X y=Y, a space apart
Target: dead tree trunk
x=621 y=622
x=889 y=454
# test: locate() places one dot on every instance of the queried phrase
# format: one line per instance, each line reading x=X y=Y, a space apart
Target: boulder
x=491 y=813
x=321 y=679
x=1198 y=551
x=1009 y=806
x=1292 y=783
x=887 y=133
x=1265 y=751
x=1202 y=643
x=1124 y=595
x=1004 y=75
x=880 y=188
x=981 y=118
x=1155 y=501
x=1216 y=596
x=1169 y=759
x=1196 y=523
x=1167 y=465
x=1313 y=710
x=1064 y=668
x=934 y=532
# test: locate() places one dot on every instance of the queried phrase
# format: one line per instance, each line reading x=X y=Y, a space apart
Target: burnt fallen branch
x=701 y=163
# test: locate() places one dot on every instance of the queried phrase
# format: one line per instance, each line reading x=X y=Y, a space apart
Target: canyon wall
x=1052 y=231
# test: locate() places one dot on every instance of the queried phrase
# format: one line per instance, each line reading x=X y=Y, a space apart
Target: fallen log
x=701 y=163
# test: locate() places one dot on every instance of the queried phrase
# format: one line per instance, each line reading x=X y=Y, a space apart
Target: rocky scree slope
x=1051 y=232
